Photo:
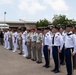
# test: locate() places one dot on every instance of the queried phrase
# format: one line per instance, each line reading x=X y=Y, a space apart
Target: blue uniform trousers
x=68 y=60
x=46 y=55
x=55 y=57
x=62 y=56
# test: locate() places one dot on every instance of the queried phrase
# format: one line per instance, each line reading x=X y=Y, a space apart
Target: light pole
x=4 y=18
x=23 y=21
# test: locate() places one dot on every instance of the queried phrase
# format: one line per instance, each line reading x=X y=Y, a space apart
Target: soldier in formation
x=59 y=43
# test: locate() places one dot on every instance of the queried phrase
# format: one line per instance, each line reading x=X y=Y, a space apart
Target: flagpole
x=4 y=18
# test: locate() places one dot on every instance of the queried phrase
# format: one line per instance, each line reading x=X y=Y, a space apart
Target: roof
x=18 y=22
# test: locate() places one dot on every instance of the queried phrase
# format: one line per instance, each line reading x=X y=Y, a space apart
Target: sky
x=34 y=10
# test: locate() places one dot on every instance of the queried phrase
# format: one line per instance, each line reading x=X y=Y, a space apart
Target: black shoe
x=56 y=71
x=28 y=58
x=47 y=67
x=38 y=62
x=10 y=49
x=53 y=70
x=33 y=60
x=44 y=65
x=20 y=53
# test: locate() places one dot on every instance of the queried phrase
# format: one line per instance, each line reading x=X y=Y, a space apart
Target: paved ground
x=14 y=64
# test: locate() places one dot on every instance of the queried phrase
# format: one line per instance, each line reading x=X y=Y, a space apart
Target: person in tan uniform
x=33 y=44
x=39 y=46
x=28 y=43
x=20 y=41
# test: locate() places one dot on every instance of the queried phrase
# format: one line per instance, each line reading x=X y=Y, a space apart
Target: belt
x=69 y=48
x=33 y=42
x=55 y=46
x=38 y=42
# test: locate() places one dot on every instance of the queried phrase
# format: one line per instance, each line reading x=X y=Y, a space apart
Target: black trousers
x=46 y=55
x=62 y=56
x=69 y=61
x=55 y=57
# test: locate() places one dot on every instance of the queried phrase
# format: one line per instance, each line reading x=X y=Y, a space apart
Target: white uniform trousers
x=24 y=47
x=14 y=46
x=8 y=44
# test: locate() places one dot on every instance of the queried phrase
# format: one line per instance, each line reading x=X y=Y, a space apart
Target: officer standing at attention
x=28 y=43
x=39 y=46
x=14 y=39
x=20 y=41
x=62 y=59
x=70 y=49
x=33 y=44
x=24 y=42
x=10 y=38
x=47 y=43
x=57 y=45
x=74 y=57
x=8 y=43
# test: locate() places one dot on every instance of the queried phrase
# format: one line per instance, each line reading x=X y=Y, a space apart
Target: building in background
x=18 y=24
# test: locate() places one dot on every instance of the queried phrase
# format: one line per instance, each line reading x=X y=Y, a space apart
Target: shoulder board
x=58 y=34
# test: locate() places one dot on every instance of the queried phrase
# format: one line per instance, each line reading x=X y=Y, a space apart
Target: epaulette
x=58 y=34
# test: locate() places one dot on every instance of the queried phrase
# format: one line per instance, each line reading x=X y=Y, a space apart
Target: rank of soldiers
x=57 y=43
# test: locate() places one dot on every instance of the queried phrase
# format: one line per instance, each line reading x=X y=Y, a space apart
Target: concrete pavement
x=14 y=64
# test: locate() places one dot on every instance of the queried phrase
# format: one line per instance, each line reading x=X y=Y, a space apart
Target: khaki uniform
x=33 y=46
x=39 y=47
x=20 y=42
x=29 y=45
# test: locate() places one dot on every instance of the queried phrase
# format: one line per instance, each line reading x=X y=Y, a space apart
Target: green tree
x=42 y=23
x=62 y=20
x=59 y=20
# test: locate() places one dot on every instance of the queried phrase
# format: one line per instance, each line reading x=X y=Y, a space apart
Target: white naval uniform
x=70 y=47
x=70 y=41
x=5 y=40
x=14 y=39
x=8 y=44
x=24 y=46
x=47 y=43
x=58 y=40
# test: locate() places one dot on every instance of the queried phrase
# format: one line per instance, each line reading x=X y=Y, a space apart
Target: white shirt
x=58 y=40
x=24 y=36
x=5 y=36
x=14 y=36
x=70 y=41
x=47 y=39
x=63 y=34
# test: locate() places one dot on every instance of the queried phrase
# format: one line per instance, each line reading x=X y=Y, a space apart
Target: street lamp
x=4 y=17
x=23 y=21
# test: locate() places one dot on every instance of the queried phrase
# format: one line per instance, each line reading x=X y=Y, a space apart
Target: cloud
x=31 y=6
x=3 y=2
x=57 y=5
x=34 y=6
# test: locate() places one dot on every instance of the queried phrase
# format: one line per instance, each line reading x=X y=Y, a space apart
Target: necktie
x=53 y=39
